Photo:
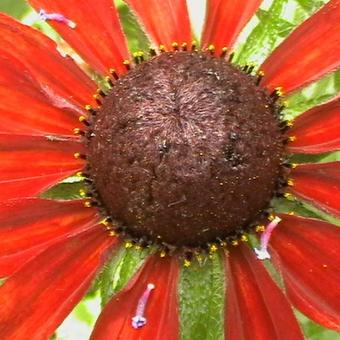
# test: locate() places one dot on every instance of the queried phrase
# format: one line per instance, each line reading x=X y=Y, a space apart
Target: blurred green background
x=274 y=21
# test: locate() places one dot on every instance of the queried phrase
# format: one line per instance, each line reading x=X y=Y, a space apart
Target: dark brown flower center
x=186 y=150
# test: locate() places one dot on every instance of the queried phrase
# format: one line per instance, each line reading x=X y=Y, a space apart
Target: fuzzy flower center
x=186 y=150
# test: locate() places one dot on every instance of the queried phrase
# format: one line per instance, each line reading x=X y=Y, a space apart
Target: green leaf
x=266 y=35
x=88 y=310
x=17 y=8
x=283 y=26
x=136 y=38
x=281 y=205
x=313 y=331
x=119 y=270
x=302 y=208
x=202 y=300
x=304 y=9
x=64 y=191
x=321 y=214
x=79 y=324
x=310 y=6
x=312 y=95
x=318 y=158
x=274 y=25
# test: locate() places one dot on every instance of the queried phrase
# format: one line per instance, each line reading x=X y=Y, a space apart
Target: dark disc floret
x=186 y=150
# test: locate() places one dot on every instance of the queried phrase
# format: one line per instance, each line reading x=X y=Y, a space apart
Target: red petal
x=310 y=52
x=30 y=186
x=161 y=309
x=39 y=114
x=10 y=264
x=319 y=184
x=225 y=20
x=98 y=36
x=27 y=223
x=317 y=130
x=48 y=287
x=256 y=307
x=59 y=77
x=309 y=258
x=33 y=156
x=165 y=21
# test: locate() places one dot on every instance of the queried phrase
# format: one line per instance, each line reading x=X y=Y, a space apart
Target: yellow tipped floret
x=213 y=248
x=244 y=238
x=290 y=182
x=87 y=204
x=186 y=263
x=128 y=245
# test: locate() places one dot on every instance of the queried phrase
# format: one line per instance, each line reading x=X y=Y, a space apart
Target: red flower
x=52 y=250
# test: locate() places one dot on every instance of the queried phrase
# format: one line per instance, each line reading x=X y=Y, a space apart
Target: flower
x=52 y=250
